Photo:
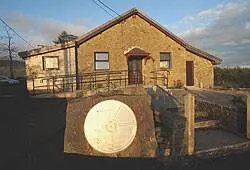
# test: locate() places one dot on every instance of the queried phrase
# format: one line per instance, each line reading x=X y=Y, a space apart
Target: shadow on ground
x=32 y=138
x=32 y=132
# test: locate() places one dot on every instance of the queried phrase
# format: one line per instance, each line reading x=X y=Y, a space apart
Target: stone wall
x=136 y=32
x=34 y=66
x=170 y=123
x=143 y=145
x=231 y=118
x=118 y=40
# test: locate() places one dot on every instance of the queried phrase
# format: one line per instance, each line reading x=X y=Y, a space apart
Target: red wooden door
x=189 y=73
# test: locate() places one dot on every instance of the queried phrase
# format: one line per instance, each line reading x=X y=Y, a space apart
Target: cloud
x=43 y=30
x=247 y=25
x=223 y=30
x=245 y=41
x=206 y=13
x=195 y=30
x=187 y=19
x=230 y=43
x=52 y=27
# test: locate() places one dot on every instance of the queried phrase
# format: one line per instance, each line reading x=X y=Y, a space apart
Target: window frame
x=44 y=63
x=95 y=60
x=170 y=60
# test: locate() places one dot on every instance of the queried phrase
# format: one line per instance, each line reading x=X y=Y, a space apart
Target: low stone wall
x=170 y=123
x=144 y=144
x=178 y=135
x=231 y=118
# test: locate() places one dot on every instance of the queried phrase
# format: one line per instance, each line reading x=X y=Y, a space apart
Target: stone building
x=133 y=43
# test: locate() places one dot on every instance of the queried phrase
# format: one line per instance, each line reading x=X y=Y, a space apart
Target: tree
x=7 y=49
x=64 y=37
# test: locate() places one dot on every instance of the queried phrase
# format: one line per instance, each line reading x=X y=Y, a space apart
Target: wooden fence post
x=125 y=79
x=33 y=85
x=248 y=116
x=189 y=114
x=53 y=83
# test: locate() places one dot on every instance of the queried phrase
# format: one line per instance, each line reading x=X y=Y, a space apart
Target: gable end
x=134 y=11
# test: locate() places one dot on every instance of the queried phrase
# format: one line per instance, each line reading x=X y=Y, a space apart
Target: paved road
x=50 y=156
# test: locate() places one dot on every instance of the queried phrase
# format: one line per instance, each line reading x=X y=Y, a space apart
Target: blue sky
x=219 y=27
x=164 y=11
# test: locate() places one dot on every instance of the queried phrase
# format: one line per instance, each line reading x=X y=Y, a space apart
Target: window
x=165 y=60
x=50 y=62
x=101 y=61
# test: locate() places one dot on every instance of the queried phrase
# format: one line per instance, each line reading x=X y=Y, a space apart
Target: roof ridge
x=132 y=11
x=99 y=29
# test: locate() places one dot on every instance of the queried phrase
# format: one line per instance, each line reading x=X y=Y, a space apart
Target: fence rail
x=160 y=75
x=91 y=80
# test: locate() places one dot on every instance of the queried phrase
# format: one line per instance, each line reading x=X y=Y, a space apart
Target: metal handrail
x=94 y=80
x=158 y=75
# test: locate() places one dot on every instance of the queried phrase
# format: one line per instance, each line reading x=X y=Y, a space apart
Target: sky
x=220 y=27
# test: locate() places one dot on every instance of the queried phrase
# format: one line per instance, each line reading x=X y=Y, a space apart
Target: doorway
x=134 y=70
x=189 y=73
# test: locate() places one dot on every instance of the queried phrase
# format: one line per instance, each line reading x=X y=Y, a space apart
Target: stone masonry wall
x=136 y=32
x=169 y=122
x=34 y=66
x=233 y=119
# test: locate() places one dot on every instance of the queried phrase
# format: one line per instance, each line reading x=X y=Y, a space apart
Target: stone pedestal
x=143 y=145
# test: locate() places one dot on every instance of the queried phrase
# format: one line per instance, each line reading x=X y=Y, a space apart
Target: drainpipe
x=76 y=66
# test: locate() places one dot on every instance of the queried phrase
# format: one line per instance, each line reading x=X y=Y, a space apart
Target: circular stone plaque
x=110 y=126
